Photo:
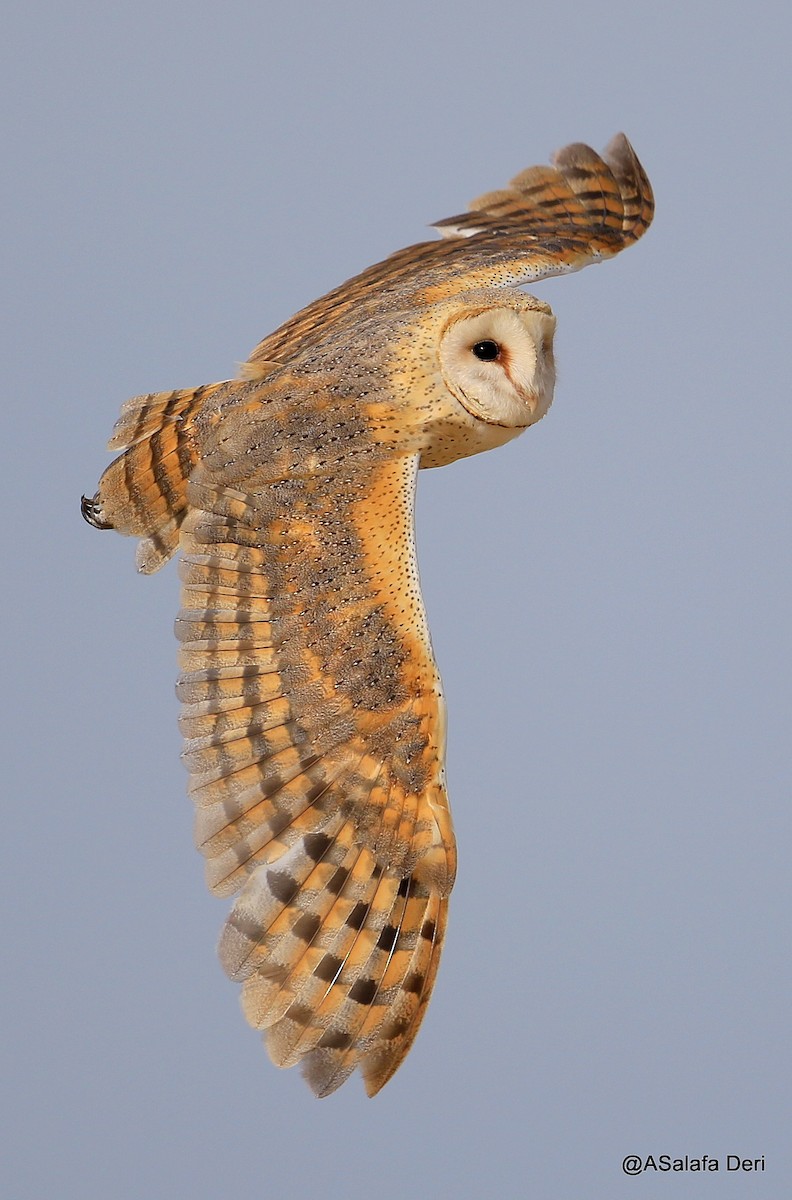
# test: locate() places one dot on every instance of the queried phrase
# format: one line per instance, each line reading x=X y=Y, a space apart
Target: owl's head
x=474 y=371
x=498 y=362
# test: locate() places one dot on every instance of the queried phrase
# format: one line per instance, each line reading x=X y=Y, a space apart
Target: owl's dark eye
x=487 y=350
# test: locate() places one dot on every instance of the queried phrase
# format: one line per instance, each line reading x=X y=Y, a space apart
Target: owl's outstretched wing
x=314 y=727
x=548 y=221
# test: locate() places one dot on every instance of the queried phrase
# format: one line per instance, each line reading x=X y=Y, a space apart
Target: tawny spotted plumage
x=312 y=710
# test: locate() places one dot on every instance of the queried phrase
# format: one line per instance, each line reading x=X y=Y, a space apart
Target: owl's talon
x=91 y=511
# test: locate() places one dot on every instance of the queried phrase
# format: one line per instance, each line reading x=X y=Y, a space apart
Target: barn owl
x=312 y=709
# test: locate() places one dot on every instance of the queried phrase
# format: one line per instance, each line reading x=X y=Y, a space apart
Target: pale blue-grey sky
x=608 y=596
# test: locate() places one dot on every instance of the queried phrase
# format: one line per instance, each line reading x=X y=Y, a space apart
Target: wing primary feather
x=399 y=1033
x=306 y=1019
x=274 y=986
x=321 y=910
x=337 y=1051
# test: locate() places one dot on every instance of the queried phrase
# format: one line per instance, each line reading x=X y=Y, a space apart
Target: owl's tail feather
x=144 y=491
x=338 y=958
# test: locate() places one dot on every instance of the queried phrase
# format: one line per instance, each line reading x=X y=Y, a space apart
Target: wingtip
x=618 y=144
x=619 y=153
x=634 y=183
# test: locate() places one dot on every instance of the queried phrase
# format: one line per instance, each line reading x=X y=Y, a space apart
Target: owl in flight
x=312 y=709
